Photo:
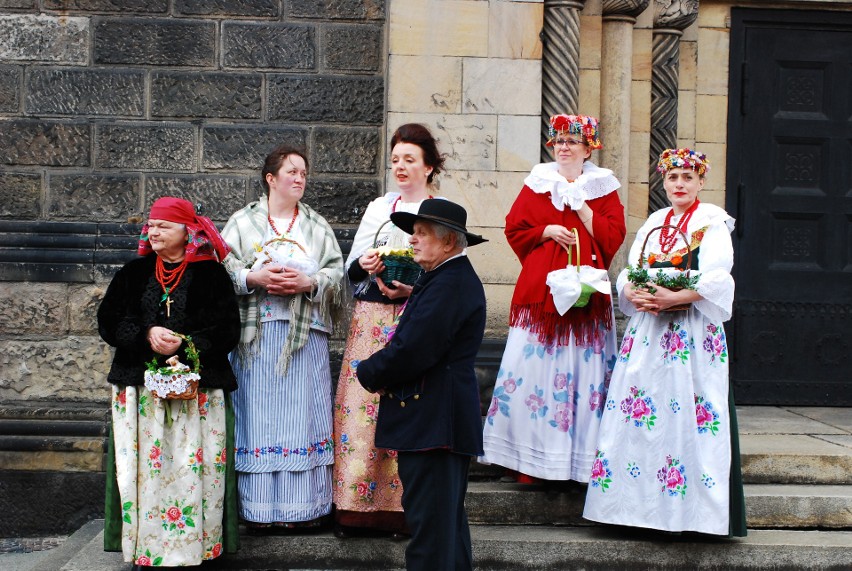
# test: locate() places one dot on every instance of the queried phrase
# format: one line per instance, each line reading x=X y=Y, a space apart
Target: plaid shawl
x=246 y=228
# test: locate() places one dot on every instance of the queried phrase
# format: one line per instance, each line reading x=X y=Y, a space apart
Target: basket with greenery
x=641 y=278
x=175 y=380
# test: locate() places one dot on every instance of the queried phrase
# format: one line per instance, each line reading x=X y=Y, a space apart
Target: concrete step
x=540 y=548
x=767 y=506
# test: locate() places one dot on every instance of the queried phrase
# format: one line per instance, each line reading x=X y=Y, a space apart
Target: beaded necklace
x=289 y=226
x=169 y=280
x=668 y=237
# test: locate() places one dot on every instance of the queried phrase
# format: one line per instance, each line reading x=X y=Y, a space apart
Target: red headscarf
x=203 y=239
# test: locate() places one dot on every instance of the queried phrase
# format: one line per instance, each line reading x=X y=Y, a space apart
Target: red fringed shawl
x=532 y=304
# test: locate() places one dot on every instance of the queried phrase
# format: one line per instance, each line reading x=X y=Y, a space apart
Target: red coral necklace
x=668 y=237
x=289 y=226
x=169 y=280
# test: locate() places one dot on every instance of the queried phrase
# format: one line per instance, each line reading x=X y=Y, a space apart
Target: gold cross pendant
x=169 y=303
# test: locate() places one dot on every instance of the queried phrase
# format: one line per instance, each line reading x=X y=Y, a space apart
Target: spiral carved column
x=560 y=62
x=671 y=17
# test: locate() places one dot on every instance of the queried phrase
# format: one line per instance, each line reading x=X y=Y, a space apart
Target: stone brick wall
x=106 y=105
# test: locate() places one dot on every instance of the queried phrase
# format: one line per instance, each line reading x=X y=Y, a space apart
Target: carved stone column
x=619 y=16
x=671 y=17
x=560 y=62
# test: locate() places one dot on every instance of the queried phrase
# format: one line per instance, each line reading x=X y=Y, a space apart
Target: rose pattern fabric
x=365 y=478
x=601 y=476
x=715 y=344
x=672 y=476
x=172 y=510
x=639 y=408
x=706 y=416
x=502 y=396
x=676 y=343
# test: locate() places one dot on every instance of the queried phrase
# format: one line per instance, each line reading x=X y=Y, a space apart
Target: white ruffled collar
x=594 y=182
x=705 y=215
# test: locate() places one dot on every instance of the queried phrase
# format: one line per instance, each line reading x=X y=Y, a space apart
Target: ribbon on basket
x=575 y=284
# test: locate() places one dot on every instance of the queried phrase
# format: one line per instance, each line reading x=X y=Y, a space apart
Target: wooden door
x=790 y=188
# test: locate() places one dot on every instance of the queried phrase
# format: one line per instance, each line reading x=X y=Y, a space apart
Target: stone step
x=541 y=548
x=767 y=506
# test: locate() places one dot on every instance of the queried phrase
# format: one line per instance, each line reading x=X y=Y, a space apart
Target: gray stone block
x=325 y=98
x=83 y=303
x=340 y=201
x=219 y=196
x=142 y=6
x=47 y=143
x=281 y=46
x=94 y=197
x=44 y=38
x=259 y=8
x=245 y=148
x=20 y=195
x=348 y=9
x=10 y=89
x=22 y=313
x=154 y=42
x=346 y=149
x=146 y=147
x=217 y=95
x=17 y=3
x=76 y=368
x=85 y=92
x=354 y=48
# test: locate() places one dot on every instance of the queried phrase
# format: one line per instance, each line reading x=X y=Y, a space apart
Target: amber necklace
x=668 y=237
x=169 y=280
x=289 y=226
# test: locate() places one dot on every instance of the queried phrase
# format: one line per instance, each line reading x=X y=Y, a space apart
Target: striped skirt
x=284 y=443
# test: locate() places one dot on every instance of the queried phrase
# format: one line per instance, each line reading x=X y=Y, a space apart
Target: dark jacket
x=205 y=308
x=432 y=355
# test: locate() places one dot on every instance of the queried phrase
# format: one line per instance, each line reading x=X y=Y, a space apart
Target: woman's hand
x=278 y=280
x=371 y=262
x=660 y=300
x=559 y=234
x=163 y=340
x=401 y=290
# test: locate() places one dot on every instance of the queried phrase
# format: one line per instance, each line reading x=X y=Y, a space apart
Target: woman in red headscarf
x=170 y=477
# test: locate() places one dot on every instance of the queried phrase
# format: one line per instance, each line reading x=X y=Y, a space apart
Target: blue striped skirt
x=284 y=441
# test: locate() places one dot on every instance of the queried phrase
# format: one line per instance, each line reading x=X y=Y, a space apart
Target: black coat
x=204 y=307
x=432 y=355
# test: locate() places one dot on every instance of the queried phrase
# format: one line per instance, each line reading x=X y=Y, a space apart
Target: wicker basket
x=172 y=384
x=400 y=268
x=642 y=260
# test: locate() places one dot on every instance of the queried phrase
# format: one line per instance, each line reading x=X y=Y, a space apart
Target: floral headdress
x=683 y=158
x=582 y=125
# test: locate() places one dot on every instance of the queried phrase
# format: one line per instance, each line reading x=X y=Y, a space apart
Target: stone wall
x=106 y=105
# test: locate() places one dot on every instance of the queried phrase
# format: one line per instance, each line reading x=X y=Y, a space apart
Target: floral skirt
x=547 y=404
x=171 y=462
x=366 y=478
x=667 y=454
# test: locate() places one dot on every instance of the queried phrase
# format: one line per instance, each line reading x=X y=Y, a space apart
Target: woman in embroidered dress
x=287 y=269
x=668 y=451
x=544 y=414
x=367 y=492
x=171 y=490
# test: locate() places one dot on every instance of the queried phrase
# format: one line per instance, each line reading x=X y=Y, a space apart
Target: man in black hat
x=429 y=410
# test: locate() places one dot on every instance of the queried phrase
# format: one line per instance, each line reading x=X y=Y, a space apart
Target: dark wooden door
x=790 y=188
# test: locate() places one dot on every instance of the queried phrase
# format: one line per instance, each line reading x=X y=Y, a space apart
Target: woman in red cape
x=551 y=387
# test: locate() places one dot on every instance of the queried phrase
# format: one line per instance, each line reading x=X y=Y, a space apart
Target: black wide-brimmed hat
x=438 y=211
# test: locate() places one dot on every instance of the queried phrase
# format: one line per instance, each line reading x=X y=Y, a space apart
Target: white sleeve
x=624 y=305
x=715 y=284
x=374 y=216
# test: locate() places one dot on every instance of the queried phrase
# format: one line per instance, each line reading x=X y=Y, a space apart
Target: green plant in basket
x=641 y=278
x=191 y=355
x=399 y=265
